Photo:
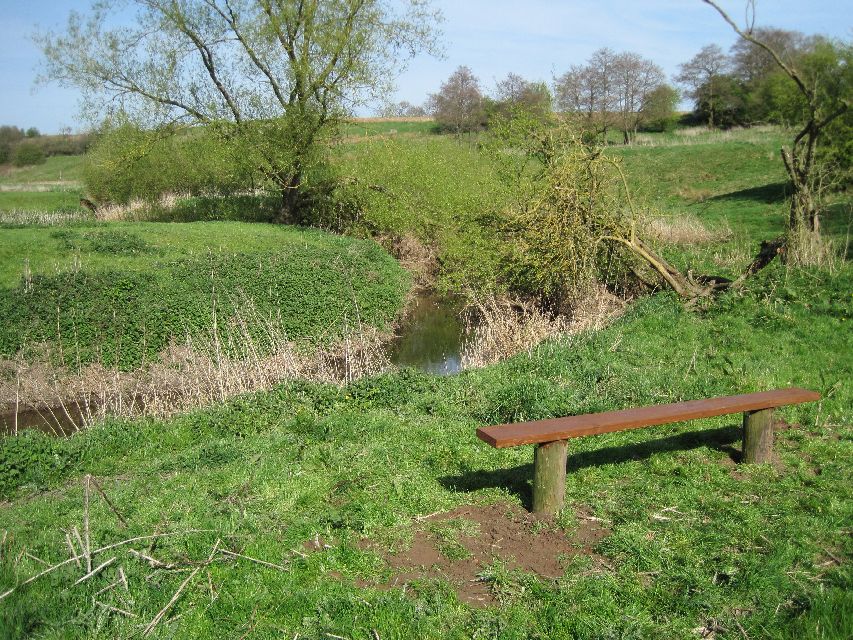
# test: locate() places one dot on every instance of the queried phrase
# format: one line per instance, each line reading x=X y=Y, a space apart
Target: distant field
x=65 y=200
x=57 y=170
x=380 y=126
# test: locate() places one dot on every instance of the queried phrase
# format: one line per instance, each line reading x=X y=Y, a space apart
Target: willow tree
x=826 y=96
x=273 y=75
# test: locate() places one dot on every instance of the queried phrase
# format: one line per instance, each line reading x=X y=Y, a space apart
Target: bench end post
x=758 y=436
x=549 y=476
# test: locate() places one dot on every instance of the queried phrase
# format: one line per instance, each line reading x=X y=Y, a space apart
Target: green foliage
x=659 y=109
x=318 y=283
x=27 y=154
x=5 y=152
x=32 y=458
x=128 y=163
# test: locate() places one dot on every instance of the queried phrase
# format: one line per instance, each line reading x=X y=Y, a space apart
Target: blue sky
x=534 y=38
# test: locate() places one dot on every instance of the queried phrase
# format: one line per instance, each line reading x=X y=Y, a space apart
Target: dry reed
x=498 y=328
x=254 y=354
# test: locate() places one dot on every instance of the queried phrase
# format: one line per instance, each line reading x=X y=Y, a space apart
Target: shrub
x=128 y=163
x=27 y=154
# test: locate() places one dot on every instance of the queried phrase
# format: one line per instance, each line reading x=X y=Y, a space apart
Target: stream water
x=430 y=336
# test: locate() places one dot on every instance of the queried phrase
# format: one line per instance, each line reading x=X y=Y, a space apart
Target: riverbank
x=324 y=482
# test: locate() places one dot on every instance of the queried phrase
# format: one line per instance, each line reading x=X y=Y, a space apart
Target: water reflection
x=430 y=336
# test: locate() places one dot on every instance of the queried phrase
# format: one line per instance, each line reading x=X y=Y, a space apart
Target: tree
x=515 y=92
x=659 y=108
x=272 y=75
x=458 y=105
x=32 y=132
x=402 y=109
x=700 y=75
x=635 y=80
x=27 y=154
x=609 y=90
x=576 y=92
x=825 y=87
x=752 y=64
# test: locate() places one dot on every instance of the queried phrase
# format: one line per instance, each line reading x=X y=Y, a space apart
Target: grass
x=42 y=201
x=118 y=293
x=56 y=169
x=695 y=541
x=367 y=127
x=698 y=545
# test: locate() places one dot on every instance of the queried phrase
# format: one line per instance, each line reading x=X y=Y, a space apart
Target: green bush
x=128 y=163
x=27 y=154
x=31 y=458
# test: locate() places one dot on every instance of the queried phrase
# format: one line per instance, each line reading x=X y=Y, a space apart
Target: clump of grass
x=684 y=229
x=498 y=328
x=196 y=372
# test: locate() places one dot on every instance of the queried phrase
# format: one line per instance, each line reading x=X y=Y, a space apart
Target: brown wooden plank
x=512 y=435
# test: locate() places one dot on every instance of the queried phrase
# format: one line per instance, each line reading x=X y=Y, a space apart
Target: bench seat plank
x=512 y=435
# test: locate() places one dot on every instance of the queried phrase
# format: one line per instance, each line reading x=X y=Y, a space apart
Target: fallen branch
x=96 y=570
x=251 y=559
x=109 y=503
x=169 y=604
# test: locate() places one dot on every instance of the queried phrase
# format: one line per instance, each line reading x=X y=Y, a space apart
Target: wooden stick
x=88 y=548
x=169 y=604
x=71 y=548
x=263 y=562
x=96 y=570
x=154 y=563
x=96 y=552
x=109 y=503
x=36 y=558
x=117 y=610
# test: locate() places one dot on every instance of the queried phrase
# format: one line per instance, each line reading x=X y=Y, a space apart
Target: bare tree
x=458 y=105
x=700 y=76
x=275 y=74
x=515 y=91
x=821 y=110
x=751 y=63
x=636 y=79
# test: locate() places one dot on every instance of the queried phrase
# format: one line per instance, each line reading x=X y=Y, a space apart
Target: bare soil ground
x=499 y=532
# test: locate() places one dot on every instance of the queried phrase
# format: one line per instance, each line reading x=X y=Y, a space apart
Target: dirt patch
x=460 y=545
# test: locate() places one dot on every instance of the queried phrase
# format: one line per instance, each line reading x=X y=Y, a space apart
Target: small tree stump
x=757 y=436
x=549 y=476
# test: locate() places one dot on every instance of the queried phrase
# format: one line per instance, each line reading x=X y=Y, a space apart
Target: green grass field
x=697 y=546
x=119 y=292
x=56 y=169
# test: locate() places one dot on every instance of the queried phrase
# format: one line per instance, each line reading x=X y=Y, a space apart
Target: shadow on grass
x=517 y=479
x=769 y=193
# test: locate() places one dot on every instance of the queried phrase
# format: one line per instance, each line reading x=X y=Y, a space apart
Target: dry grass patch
x=198 y=372
x=499 y=328
x=684 y=230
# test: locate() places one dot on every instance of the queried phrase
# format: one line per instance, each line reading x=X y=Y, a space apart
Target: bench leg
x=757 y=436
x=549 y=476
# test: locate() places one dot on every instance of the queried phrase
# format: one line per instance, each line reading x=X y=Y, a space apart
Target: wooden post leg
x=757 y=436
x=549 y=476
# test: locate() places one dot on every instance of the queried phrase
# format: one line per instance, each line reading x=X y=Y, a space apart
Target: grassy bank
x=695 y=542
x=117 y=293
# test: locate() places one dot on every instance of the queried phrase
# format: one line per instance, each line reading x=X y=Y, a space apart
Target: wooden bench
x=551 y=436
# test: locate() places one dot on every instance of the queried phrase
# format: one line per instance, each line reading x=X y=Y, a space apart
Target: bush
x=127 y=163
x=5 y=153
x=27 y=154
